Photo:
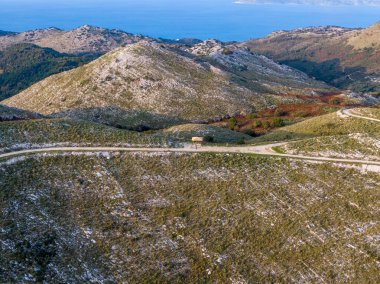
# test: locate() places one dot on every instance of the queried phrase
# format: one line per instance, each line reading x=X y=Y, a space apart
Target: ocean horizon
x=220 y=19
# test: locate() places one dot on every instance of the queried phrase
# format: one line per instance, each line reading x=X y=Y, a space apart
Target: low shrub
x=334 y=101
x=277 y=122
x=279 y=112
x=232 y=123
x=252 y=115
x=241 y=141
x=208 y=139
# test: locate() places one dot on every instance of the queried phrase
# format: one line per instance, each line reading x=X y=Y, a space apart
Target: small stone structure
x=197 y=141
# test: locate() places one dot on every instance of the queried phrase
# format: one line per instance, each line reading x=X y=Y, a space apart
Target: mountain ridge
x=84 y=39
x=144 y=68
x=344 y=58
x=163 y=80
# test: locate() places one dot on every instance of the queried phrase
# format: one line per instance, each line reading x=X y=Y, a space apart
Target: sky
x=314 y=2
x=226 y=20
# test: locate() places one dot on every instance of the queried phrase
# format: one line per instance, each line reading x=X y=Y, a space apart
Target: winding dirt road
x=263 y=150
x=348 y=112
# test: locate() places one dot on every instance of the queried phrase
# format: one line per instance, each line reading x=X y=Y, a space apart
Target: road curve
x=348 y=112
x=265 y=150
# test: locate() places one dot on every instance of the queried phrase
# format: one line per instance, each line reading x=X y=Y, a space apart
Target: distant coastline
x=170 y=19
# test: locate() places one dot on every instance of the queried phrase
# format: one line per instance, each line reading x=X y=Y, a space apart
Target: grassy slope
x=187 y=218
x=51 y=131
x=24 y=134
x=369 y=112
x=331 y=135
x=326 y=125
x=359 y=146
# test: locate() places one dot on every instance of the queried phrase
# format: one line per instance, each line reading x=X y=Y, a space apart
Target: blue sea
x=221 y=19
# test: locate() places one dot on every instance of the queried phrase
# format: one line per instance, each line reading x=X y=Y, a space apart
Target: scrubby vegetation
x=23 y=134
x=185 y=132
x=359 y=146
x=10 y=114
x=345 y=58
x=266 y=120
x=187 y=218
x=22 y=65
x=155 y=217
x=134 y=120
x=326 y=125
x=368 y=112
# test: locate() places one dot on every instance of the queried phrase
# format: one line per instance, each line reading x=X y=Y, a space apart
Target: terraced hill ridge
x=158 y=79
x=346 y=58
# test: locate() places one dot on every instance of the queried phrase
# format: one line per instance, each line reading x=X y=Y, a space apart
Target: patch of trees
x=208 y=139
x=25 y=64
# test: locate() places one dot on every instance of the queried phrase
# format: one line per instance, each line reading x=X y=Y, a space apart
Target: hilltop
x=256 y=72
x=341 y=57
x=85 y=39
x=345 y=58
x=164 y=80
x=142 y=76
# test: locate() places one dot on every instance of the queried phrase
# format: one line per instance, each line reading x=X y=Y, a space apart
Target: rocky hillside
x=185 y=218
x=256 y=72
x=163 y=80
x=85 y=39
x=346 y=58
x=24 y=64
x=143 y=76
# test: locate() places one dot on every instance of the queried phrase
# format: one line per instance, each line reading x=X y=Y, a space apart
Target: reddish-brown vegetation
x=259 y=123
